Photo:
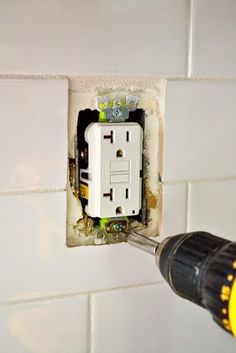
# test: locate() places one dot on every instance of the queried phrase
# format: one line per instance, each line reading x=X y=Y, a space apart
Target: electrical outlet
x=113 y=178
x=114 y=159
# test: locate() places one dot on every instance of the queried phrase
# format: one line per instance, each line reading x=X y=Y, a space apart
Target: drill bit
x=141 y=242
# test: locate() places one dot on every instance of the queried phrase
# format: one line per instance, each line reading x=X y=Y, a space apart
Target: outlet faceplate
x=132 y=171
x=113 y=177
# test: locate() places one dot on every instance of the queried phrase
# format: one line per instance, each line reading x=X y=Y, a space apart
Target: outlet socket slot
x=119 y=210
x=120 y=153
x=109 y=194
x=109 y=137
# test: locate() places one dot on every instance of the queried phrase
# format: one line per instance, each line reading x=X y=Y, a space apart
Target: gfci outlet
x=113 y=180
x=114 y=159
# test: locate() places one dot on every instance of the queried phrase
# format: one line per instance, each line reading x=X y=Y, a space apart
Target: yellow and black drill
x=200 y=267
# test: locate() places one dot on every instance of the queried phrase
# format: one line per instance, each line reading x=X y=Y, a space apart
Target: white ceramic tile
x=53 y=327
x=33 y=117
x=94 y=37
x=214 y=36
x=155 y=320
x=36 y=262
x=174 y=209
x=213 y=208
x=200 y=130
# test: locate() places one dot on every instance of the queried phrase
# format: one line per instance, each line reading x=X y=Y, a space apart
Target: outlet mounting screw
x=116 y=112
x=118 y=227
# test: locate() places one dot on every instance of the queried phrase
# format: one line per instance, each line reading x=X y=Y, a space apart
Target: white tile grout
x=190 y=38
x=197 y=181
x=91 y=316
x=31 y=191
x=17 y=302
x=71 y=77
x=32 y=76
x=188 y=190
x=203 y=78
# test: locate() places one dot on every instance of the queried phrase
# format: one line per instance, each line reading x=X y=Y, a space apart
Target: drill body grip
x=200 y=267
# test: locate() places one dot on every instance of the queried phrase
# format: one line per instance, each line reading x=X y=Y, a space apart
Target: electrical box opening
x=112 y=184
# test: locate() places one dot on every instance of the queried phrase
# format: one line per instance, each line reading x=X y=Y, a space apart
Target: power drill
x=200 y=267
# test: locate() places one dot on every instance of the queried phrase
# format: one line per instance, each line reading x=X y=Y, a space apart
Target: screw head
x=118 y=227
x=116 y=112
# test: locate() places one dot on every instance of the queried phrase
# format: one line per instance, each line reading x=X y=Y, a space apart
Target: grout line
x=30 y=192
x=93 y=76
x=71 y=77
x=188 y=188
x=13 y=302
x=91 y=312
x=33 y=76
x=200 y=78
x=197 y=181
x=190 y=38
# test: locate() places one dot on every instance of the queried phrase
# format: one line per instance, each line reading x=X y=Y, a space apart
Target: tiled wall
x=111 y=298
